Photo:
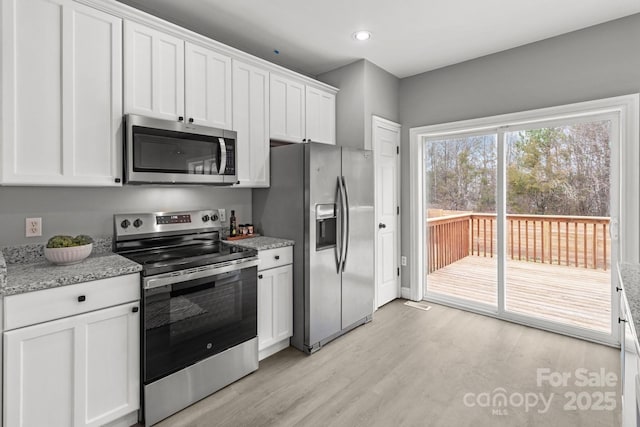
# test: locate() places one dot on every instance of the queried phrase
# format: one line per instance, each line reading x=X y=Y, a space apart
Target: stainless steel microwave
x=167 y=152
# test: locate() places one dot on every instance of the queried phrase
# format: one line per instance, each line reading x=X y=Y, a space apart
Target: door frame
x=379 y=122
x=626 y=108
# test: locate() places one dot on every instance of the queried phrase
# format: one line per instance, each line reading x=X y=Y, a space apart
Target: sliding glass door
x=517 y=222
x=558 y=204
x=461 y=181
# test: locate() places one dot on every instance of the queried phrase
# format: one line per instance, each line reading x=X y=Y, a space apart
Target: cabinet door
x=283 y=312
x=92 y=98
x=251 y=122
x=111 y=372
x=77 y=371
x=287 y=112
x=154 y=72
x=207 y=87
x=321 y=116
x=266 y=303
x=39 y=374
x=275 y=305
x=62 y=86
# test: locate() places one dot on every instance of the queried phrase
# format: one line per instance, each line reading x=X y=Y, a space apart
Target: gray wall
x=90 y=210
x=349 y=102
x=365 y=90
x=381 y=97
x=597 y=62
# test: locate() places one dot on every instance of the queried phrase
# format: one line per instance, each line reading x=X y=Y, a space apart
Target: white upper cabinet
x=154 y=73
x=168 y=78
x=251 y=122
x=207 y=87
x=287 y=109
x=301 y=113
x=62 y=94
x=321 y=116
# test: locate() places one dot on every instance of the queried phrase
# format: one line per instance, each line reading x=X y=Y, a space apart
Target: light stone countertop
x=630 y=274
x=3 y=271
x=24 y=268
x=260 y=243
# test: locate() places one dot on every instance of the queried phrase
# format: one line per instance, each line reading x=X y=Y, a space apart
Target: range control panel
x=160 y=222
x=173 y=219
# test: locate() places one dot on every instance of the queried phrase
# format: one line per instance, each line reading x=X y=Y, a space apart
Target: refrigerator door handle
x=339 y=228
x=347 y=222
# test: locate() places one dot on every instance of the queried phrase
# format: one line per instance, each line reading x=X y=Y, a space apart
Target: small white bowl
x=68 y=256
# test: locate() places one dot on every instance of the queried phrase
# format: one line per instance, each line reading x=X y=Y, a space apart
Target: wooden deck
x=574 y=296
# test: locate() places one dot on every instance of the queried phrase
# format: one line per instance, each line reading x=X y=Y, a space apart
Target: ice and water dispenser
x=325 y=226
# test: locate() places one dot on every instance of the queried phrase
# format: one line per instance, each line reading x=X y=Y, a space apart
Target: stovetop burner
x=172 y=259
x=165 y=242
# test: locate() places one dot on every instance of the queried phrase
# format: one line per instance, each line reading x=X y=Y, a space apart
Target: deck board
x=574 y=296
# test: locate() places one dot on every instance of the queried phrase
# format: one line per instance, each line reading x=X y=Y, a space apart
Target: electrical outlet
x=222 y=214
x=33 y=227
x=403 y=261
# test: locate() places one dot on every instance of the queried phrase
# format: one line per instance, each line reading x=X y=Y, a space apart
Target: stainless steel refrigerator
x=321 y=196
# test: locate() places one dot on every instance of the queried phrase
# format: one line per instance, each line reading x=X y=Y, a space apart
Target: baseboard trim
x=273 y=349
x=405 y=293
x=128 y=420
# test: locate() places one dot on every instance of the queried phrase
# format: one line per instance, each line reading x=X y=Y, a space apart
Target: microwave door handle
x=223 y=156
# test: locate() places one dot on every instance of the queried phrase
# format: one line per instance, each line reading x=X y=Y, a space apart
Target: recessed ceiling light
x=362 y=35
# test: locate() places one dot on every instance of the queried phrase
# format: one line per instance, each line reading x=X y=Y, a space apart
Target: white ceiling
x=409 y=36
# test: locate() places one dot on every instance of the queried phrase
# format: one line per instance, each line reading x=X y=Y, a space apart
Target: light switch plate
x=222 y=214
x=403 y=260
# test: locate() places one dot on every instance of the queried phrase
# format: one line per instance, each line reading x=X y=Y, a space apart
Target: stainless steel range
x=199 y=299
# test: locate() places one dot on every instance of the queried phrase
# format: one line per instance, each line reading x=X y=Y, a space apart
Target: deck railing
x=448 y=240
x=576 y=241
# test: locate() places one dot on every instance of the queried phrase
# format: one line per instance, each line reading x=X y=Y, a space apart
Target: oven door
x=162 y=151
x=195 y=315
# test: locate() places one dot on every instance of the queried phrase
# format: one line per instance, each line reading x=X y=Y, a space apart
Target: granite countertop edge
x=630 y=275
x=261 y=243
x=24 y=268
x=3 y=272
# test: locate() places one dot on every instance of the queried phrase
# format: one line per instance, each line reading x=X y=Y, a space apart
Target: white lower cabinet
x=82 y=370
x=275 y=301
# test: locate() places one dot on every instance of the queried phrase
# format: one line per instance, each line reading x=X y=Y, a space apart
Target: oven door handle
x=198 y=272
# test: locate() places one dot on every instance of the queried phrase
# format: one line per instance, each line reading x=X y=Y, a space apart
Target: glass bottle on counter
x=233 y=227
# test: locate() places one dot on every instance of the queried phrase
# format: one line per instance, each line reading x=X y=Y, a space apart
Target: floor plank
x=574 y=296
x=410 y=367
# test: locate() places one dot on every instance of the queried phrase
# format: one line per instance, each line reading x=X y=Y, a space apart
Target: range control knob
x=214 y=217
x=205 y=218
x=137 y=223
x=125 y=223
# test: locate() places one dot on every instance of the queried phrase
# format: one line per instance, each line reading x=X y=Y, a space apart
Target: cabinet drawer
x=49 y=304
x=271 y=258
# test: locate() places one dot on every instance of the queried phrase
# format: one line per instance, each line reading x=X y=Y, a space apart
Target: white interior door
x=386 y=143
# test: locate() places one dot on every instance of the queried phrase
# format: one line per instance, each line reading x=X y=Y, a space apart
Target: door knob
x=381 y=225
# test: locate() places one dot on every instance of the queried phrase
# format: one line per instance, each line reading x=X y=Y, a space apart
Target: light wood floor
x=410 y=367
x=575 y=296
